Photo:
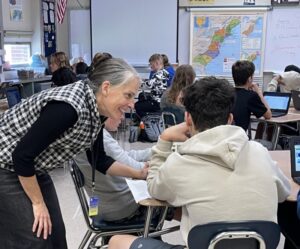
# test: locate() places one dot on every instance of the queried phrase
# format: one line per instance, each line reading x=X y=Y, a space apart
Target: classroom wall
x=63 y=39
x=26 y=24
x=31 y=24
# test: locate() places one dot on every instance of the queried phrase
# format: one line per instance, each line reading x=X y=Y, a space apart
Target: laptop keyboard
x=277 y=114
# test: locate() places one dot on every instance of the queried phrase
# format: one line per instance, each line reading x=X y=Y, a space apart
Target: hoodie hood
x=220 y=145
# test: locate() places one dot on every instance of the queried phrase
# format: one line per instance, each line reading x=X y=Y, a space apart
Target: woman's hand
x=42 y=222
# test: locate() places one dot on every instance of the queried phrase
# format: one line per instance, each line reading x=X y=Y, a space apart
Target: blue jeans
x=16 y=214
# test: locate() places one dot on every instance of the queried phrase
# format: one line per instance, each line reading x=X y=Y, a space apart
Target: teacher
x=46 y=130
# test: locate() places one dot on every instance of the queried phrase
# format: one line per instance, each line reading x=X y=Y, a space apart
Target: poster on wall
x=284 y=2
x=15 y=10
x=49 y=30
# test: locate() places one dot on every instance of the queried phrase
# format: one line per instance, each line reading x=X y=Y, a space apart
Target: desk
x=32 y=86
x=292 y=116
x=284 y=162
x=151 y=204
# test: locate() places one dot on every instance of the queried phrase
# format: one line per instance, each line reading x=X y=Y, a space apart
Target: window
x=17 y=54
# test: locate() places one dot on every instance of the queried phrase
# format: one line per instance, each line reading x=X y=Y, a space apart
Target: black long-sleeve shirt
x=55 y=118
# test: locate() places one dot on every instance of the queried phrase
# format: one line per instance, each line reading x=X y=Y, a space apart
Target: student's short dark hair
x=209 y=101
x=81 y=68
x=292 y=68
x=241 y=71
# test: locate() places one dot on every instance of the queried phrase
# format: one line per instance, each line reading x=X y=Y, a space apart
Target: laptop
x=295 y=158
x=296 y=99
x=279 y=103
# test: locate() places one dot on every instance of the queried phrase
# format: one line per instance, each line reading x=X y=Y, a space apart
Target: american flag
x=61 y=9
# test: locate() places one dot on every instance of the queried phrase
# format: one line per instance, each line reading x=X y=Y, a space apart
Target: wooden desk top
x=292 y=116
x=284 y=162
x=153 y=202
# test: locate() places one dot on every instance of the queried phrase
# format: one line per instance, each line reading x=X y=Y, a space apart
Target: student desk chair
x=103 y=229
x=235 y=235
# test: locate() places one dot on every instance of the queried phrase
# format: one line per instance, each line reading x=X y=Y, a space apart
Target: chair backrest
x=78 y=180
x=13 y=95
x=168 y=119
x=235 y=235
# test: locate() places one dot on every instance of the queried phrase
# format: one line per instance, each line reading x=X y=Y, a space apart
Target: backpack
x=153 y=127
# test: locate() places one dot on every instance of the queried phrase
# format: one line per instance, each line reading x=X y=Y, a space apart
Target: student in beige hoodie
x=213 y=171
x=287 y=81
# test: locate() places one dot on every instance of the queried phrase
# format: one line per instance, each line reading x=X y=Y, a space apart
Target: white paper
x=45 y=6
x=51 y=16
x=138 y=189
x=45 y=17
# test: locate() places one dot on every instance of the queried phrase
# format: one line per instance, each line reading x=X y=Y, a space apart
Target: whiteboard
x=134 y=29
x=282 y=39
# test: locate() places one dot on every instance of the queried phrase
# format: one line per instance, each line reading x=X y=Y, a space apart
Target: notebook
x=295 y=158
x=296 y=99
x=279 y=103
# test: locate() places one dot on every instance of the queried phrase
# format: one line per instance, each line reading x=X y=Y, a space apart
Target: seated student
x=249 y=98
x=157 y=83
x=169 y=68
x=171 y=98
x=287 y=81
x=81 y=70
x=61 y=70
x=116 y=200
x=159 y=78
x=213 y=171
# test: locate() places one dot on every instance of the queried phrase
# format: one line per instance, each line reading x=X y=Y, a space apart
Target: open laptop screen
x=295 y=156
x=278 y=101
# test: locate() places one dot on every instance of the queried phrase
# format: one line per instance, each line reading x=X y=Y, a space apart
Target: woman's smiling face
x=114 y=101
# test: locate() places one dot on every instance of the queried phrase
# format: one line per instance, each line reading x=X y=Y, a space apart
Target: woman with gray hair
x=46 y=130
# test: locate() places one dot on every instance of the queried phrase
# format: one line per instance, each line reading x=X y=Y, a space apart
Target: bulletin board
x=49 y=29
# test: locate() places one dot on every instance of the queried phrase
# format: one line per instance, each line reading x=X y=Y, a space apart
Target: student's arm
x=55 y=118
x=119 y=169
x=160 y=170
x=272 y=86
x=282 y=182
x=106 y=164
x=114 y=150
x=268 y=113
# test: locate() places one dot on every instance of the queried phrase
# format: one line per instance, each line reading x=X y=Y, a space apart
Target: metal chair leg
x=85 y=239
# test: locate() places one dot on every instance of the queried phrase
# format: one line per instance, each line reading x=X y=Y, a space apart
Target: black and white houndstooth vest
x=15 y=122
